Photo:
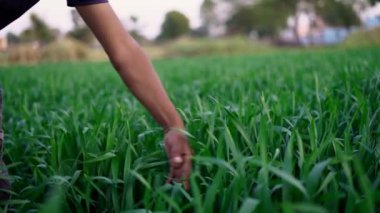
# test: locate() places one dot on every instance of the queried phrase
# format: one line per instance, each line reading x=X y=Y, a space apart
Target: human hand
x=179 y=155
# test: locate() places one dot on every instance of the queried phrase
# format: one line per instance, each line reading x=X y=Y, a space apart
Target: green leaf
x=315 y=175
x=289 y=178
x=141 y=179
x=104 y=157
x=249 y=205
x=216 y=161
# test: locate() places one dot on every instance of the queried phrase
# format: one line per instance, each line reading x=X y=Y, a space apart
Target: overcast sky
x=149 y=12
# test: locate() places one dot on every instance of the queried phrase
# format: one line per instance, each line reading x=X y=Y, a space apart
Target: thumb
x=176 y=156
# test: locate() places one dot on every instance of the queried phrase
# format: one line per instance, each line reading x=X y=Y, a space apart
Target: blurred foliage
x=80 y=31
x=12 y=38
x=266 y=17
x=207 y=11
x=337 y=13
x=134 y=30
x=237 y=4
x=39 y=31
x=72 y=50
x=23 y=54
x=211 y=46
x=369 y=37
x=208 y=16
x=65 y=50
x=82 y=34
x=175 y=25
x=60 y=50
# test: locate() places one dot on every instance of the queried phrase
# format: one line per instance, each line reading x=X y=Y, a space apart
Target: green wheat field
x=291 y=131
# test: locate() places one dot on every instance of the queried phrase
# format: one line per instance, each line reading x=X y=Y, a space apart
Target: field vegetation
x=280 y=132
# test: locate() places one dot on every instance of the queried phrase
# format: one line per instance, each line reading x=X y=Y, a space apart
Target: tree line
x=41 y=32
x=265 y=17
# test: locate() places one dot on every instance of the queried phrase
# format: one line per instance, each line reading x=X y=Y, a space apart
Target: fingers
x=179 y=154
x=186 y=174
x=171 y=176
x=176 y=161
x=181 y=174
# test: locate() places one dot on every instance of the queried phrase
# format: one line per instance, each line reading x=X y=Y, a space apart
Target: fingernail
x=177 y=160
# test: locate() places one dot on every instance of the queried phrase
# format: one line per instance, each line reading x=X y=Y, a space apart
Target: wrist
x=175 y=125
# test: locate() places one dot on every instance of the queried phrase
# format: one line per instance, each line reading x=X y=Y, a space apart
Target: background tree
x=175 y=25
x=39 y=31
x=208 y=16
x=134 y=29
x=42 y=31
x=266 y=17
x=337 y=13
x=13 y=38
x=301 y=8
x=238 y=4
x=80 y=31
x=242 y=21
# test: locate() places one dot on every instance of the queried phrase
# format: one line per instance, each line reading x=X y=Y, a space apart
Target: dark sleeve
x=11 y=10
x=73 y=3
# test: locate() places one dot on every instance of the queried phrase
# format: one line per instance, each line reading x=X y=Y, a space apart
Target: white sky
x=371 y=12
x=149 y=12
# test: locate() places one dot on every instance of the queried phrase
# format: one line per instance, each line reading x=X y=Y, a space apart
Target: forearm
x=132 y=64
x=139 y=75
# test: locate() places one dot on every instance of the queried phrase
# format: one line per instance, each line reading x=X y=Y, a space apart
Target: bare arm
x=131 y=62
x=138 y=74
